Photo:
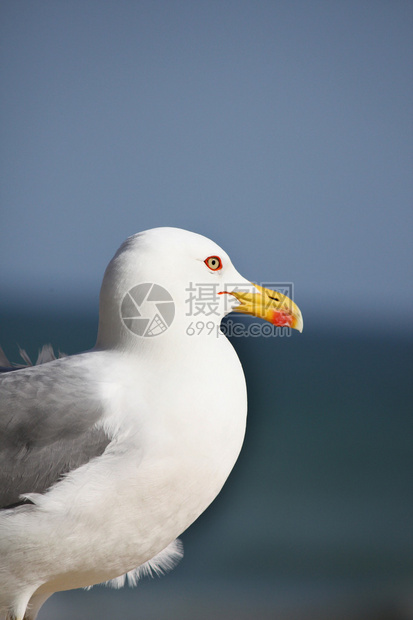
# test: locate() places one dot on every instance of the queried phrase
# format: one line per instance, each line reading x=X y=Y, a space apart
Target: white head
x=186 y=274
x=177 y=261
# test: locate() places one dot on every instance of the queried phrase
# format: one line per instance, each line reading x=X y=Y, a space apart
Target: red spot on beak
x=281 y=318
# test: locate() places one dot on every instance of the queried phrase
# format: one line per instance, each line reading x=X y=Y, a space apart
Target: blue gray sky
x=282 y=130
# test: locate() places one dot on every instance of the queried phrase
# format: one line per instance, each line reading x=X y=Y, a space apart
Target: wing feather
x=48 y=416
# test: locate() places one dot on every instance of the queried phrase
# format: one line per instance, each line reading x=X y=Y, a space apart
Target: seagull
x=107 y=456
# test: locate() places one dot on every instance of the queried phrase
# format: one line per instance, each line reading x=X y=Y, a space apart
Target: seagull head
x=168 y=281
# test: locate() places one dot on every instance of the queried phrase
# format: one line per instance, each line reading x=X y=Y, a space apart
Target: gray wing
x=47 y=427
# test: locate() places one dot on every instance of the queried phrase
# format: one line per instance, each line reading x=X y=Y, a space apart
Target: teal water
x=316 y=518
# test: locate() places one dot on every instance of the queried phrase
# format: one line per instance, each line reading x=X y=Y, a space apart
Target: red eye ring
x=213 y=262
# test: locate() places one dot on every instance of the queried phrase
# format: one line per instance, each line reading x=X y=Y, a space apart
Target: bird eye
x=213 y=262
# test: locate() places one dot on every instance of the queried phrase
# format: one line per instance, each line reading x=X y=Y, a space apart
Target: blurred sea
x=316 y=520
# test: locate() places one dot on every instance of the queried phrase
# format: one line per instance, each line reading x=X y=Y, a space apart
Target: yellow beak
x=271 y=306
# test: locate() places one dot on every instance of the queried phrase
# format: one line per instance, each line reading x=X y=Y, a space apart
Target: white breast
x=177 y=437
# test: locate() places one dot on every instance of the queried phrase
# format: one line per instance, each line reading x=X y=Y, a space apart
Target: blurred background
x=283 y=131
